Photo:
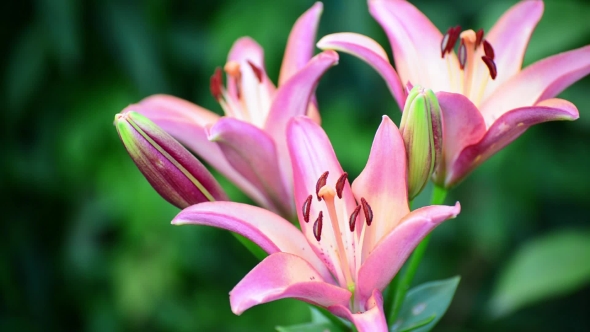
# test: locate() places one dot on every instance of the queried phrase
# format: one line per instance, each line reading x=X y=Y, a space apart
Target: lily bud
x=421 y=129
x=171 y=169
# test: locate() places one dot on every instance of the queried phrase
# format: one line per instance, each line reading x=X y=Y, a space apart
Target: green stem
x=401 y=283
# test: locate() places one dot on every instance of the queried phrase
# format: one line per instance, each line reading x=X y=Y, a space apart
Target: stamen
x=478 y=38
x=491 y=66
x=216 y=84
x=257 y=71
x=317 y=227
x=462 y=54
x=353 y=216
x=488 y=49
x=444 y=44
x=368 y=211
x=449 y=40
x=340 y=184
x=321 y=182
x=306 y=207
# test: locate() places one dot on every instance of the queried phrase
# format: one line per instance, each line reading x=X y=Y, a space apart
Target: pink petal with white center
x=283 y=275
x=463 y=125
x=257 y=94
x=312 y=155
x=509 y=37
x=383 y=183
x=268 y=230
x=372 y=53
x=300 y=45
x=185 y=121
x=372 y=320
x=293 y=99
x=542 y=80
x=415 y=42
x=253 y=154
x=506 y=129
x=392 y=251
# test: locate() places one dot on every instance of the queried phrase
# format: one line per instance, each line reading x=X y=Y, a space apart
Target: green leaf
x=424 y=305
x=543 y=268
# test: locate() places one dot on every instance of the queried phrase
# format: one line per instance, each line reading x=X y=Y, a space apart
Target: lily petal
x=463 y=125
x=415 y=42
x=392 y=251
x=542 y=80
x=300 y=45
x=293 y=99
x=510 y=37
x=372 y=53
x=312 y=155
x=283 y=275
x=383 y=183
x=186 y=121
x=372 y=320
x=253 y=154
x=268 y=230
x=506 y=129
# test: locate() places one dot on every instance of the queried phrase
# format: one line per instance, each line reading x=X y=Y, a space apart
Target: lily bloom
x=248 y=144
x=353 y=239
x=487 y=101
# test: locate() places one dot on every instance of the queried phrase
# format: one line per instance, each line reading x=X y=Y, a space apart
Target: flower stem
x=401 y=283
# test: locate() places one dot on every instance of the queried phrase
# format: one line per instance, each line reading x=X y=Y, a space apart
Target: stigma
x=471 y=43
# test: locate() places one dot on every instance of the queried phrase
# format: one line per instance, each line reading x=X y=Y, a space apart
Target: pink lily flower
x=487 y=101
x=248 y=144
x=353 y=239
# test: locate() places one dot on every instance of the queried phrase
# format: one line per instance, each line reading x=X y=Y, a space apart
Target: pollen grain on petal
x=317 y=227
x=306 y=207
x=353 y=217
x=367 y=211
x=321 y=182
x=340 y=184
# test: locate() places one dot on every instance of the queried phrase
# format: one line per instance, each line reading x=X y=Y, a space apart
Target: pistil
x=328 y=193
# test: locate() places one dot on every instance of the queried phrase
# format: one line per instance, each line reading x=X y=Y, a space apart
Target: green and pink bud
x=421 y=129
x=171 y=169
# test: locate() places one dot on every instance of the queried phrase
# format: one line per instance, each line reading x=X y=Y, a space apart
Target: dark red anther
x=321 y=182
x=257 y=71
x=491 y=66
x=488 y=49
x=216 y=84
x=368 y=211
x=353 y=216
x=449 y=39
x=340 y=184
x=306 y=207
x=462 y=55
x=478 y=37
x=317 y=227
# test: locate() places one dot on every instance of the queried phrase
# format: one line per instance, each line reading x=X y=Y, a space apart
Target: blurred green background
x=87 y=244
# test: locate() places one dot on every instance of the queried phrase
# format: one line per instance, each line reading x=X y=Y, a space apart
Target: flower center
x=474 y=78
x=245 y=98
x=331 y=197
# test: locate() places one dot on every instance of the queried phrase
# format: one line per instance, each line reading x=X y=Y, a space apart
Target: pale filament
x=328 y=193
